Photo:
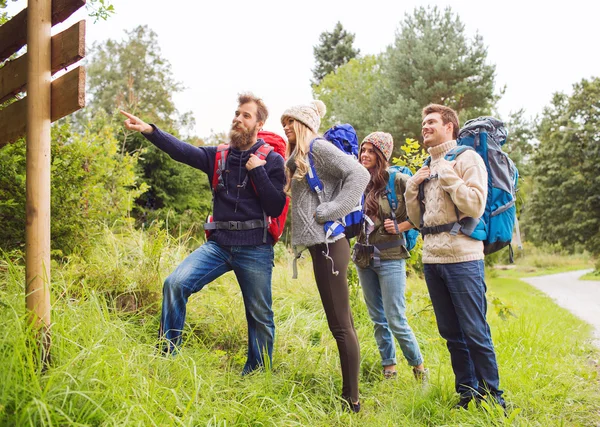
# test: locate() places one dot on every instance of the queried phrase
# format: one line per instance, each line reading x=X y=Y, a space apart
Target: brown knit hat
x=309 y=114
x=382 y=141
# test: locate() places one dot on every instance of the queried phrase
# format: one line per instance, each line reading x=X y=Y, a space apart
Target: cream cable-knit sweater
x=463 y=183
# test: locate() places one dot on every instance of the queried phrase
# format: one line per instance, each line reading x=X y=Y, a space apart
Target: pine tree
x=334 y=50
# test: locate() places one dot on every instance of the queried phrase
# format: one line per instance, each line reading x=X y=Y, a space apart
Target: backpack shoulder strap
x=220 y=162
x=390 y=190
x=457 y=151
x=263 y=151
x=313 y=180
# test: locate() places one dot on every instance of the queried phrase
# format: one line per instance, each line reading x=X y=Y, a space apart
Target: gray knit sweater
x=344 y=181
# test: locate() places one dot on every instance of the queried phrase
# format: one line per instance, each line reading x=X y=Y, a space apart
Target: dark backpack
x=485 y=135
x=273 y=142
x=344 y=137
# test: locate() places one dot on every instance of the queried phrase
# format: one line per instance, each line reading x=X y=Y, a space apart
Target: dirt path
x=580 y=297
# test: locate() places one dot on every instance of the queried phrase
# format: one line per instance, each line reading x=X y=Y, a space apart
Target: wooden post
x=37 y=229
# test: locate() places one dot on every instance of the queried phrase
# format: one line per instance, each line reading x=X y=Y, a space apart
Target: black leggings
x=335 y=297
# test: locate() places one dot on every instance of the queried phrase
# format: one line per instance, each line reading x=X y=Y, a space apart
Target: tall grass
x=105 y=370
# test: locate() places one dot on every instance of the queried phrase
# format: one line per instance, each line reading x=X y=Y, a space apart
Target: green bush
x=92 y=184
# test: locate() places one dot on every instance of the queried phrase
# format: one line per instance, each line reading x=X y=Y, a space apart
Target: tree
x=334 y=50
x=133 y=75
x=433 y=61
x=564 y=204
x=349 y=95
x=520 y=142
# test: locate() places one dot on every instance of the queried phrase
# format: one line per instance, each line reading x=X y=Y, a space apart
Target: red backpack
x=272 y=142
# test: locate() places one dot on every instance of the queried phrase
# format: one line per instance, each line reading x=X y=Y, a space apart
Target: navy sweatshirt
x=234 y=204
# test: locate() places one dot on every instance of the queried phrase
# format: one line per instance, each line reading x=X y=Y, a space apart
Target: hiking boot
x=422 y=376
x=349 y=406
x=463 y=403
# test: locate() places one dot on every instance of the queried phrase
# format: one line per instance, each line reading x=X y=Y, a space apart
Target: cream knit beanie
x=310 y=114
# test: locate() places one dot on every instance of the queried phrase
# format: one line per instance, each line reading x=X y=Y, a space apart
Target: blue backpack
x=485 y=135
x=410 y=236
x=344 y=137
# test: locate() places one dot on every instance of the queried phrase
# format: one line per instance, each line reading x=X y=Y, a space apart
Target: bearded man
x=252 y=189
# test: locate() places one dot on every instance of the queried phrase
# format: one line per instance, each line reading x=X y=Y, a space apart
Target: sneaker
x=422 y=376
x=390 y=375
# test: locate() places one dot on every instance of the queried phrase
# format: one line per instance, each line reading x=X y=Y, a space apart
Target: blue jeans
x=383 y=289
x=252 y=266
x=457 y=292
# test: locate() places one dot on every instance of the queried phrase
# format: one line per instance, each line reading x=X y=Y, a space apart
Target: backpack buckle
x=234 y=225
x=455 y=229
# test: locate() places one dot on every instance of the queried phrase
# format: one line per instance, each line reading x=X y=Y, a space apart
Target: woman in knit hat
x=344 y=180
x=379 y=256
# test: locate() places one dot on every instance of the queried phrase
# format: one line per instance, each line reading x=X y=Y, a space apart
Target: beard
x=241 y=137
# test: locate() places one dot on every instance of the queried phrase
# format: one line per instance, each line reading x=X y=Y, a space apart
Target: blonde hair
x=300 y=149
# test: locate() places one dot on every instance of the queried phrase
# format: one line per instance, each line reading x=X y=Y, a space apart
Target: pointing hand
x=136 y=124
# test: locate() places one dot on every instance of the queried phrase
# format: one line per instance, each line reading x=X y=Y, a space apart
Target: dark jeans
x=252 y=266
x=336 y=302
x=458 y=295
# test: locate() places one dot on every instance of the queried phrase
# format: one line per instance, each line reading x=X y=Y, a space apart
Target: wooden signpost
x=46 y=101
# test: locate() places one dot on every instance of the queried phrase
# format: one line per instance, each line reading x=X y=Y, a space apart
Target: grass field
x=105 y=371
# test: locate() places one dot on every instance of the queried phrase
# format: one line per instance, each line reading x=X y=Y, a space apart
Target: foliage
x=433 y=61
x=411 y=155
x=349 y=94
x=430 y=61
x=105 y=370
x=4 y=15
x=132 y=75
x=520 y=143
x=92 y=183
x=98 y=9
x=564 y=204
x=334 y=50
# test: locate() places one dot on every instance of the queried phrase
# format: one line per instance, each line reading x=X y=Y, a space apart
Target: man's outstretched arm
x=197 y=157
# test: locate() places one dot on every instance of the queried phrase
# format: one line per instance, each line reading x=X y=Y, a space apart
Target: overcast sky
x=220 y=48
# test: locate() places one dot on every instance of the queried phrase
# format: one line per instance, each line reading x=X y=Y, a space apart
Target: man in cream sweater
x=454 y=269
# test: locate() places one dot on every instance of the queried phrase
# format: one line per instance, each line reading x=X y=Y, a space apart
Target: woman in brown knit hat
x=379 y=256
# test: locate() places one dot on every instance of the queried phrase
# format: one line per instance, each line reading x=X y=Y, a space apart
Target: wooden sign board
x=68 y=47
x=67 y=96
x=13 y=34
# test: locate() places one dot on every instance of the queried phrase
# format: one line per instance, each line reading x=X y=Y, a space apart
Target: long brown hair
x=376 y=187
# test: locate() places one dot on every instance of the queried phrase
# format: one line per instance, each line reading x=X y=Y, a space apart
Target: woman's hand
x=388 y=224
